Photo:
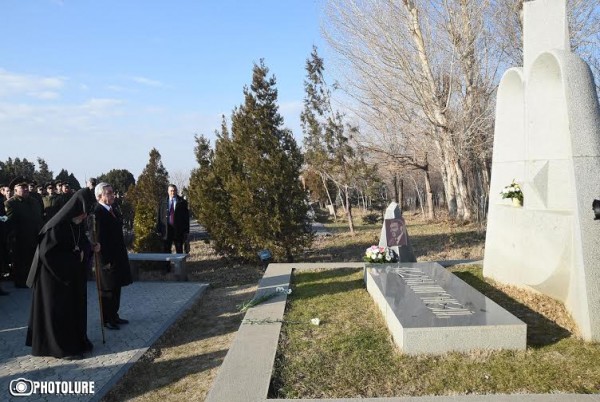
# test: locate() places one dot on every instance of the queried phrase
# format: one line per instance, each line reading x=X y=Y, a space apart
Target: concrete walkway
x=151 y=308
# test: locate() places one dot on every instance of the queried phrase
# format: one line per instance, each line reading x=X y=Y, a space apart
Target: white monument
x=547 y=138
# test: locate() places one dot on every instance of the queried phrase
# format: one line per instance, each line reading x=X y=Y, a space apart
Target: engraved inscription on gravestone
x=430 y=310
x=434 y=297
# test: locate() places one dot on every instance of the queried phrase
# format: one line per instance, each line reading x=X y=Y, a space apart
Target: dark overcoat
x=25 y=218
x=52 y=204
x=114 y=263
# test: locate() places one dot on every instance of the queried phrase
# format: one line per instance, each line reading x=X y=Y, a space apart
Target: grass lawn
x=351 y=353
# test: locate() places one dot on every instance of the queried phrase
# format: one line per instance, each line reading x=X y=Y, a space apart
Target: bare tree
x=180 y=178
x=584 y=29
x=427 y=64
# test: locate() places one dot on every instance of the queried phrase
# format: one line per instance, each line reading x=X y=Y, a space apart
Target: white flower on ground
x=315 y=321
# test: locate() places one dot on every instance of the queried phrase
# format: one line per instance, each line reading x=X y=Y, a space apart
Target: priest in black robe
x=58 y=317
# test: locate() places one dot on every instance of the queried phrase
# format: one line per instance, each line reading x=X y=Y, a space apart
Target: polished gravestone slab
x=430 y=310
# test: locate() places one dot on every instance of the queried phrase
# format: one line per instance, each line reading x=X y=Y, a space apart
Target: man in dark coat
x=173 y=222
x=4 y=259
x=58 y=318
x=34 y=194
x=25 y=220
x=114 y=263
x=51 y=202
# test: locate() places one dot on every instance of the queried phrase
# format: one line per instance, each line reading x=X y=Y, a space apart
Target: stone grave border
x=245 y=374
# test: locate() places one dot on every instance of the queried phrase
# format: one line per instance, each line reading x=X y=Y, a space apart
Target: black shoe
x=111 y=325
x=122 y=321
x=72 y=357
x=88 y=346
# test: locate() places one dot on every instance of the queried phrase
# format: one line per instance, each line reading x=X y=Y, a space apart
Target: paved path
x=151 y=308
x=320 y=230
x=197 y=231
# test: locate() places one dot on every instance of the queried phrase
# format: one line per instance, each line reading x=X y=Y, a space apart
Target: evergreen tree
x=43 y=174
x=119 y=179
x=145 y=196
x=209 y=200
x=65 y=176
x=250 y=192
x=17 y=167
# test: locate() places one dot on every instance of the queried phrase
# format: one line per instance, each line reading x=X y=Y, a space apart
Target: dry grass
x=184 y=361
x=330 y=361
x=431 y=241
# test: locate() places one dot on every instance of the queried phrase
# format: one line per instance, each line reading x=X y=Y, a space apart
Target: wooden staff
x=97 y=269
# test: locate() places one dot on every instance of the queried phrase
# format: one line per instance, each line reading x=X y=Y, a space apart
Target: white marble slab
x=431 y=311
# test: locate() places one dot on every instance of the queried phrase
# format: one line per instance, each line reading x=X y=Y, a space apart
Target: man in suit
x=25 y=221
x=173 y=222
x=114 y=263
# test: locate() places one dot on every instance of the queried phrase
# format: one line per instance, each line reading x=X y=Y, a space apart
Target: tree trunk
x=401 y=194
x=419 y=197
x=329 y=197
x=429 y=196
x=349 y=211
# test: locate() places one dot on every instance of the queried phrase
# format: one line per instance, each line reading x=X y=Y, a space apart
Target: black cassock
x=58 y=317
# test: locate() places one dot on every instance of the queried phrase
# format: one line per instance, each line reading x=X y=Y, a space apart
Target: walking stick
x=97 y=269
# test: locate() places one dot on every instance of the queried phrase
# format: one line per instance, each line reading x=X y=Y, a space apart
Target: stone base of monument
x=429 y=310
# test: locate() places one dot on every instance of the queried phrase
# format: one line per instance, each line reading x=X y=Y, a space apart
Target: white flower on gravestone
x=315 y=321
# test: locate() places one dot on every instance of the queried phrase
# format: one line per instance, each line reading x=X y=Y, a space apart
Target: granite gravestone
x=547 y=137
x=394 y=234
x=429 y=310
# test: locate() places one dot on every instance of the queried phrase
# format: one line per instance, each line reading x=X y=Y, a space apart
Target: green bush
x=371 y=218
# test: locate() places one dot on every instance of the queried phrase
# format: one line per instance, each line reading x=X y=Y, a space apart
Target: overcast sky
x=91 y=86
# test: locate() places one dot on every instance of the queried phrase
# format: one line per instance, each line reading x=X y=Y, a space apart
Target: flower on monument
x=379 y=254
x=513 y=190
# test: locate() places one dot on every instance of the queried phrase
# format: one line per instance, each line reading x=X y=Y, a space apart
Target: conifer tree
x=252 y=195
x=209 y=200
x=70 y=178
x=43 y=174
x=119 y=179
x=145 y=196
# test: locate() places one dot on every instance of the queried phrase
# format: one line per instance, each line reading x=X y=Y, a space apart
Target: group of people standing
x=52 y=255
x=23 y=212
x=53 y=246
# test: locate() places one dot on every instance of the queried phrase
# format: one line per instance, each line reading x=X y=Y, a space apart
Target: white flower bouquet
x=513 y=190
x=379 y=254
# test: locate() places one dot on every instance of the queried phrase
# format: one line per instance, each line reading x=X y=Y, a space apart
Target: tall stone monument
x=547 y=138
